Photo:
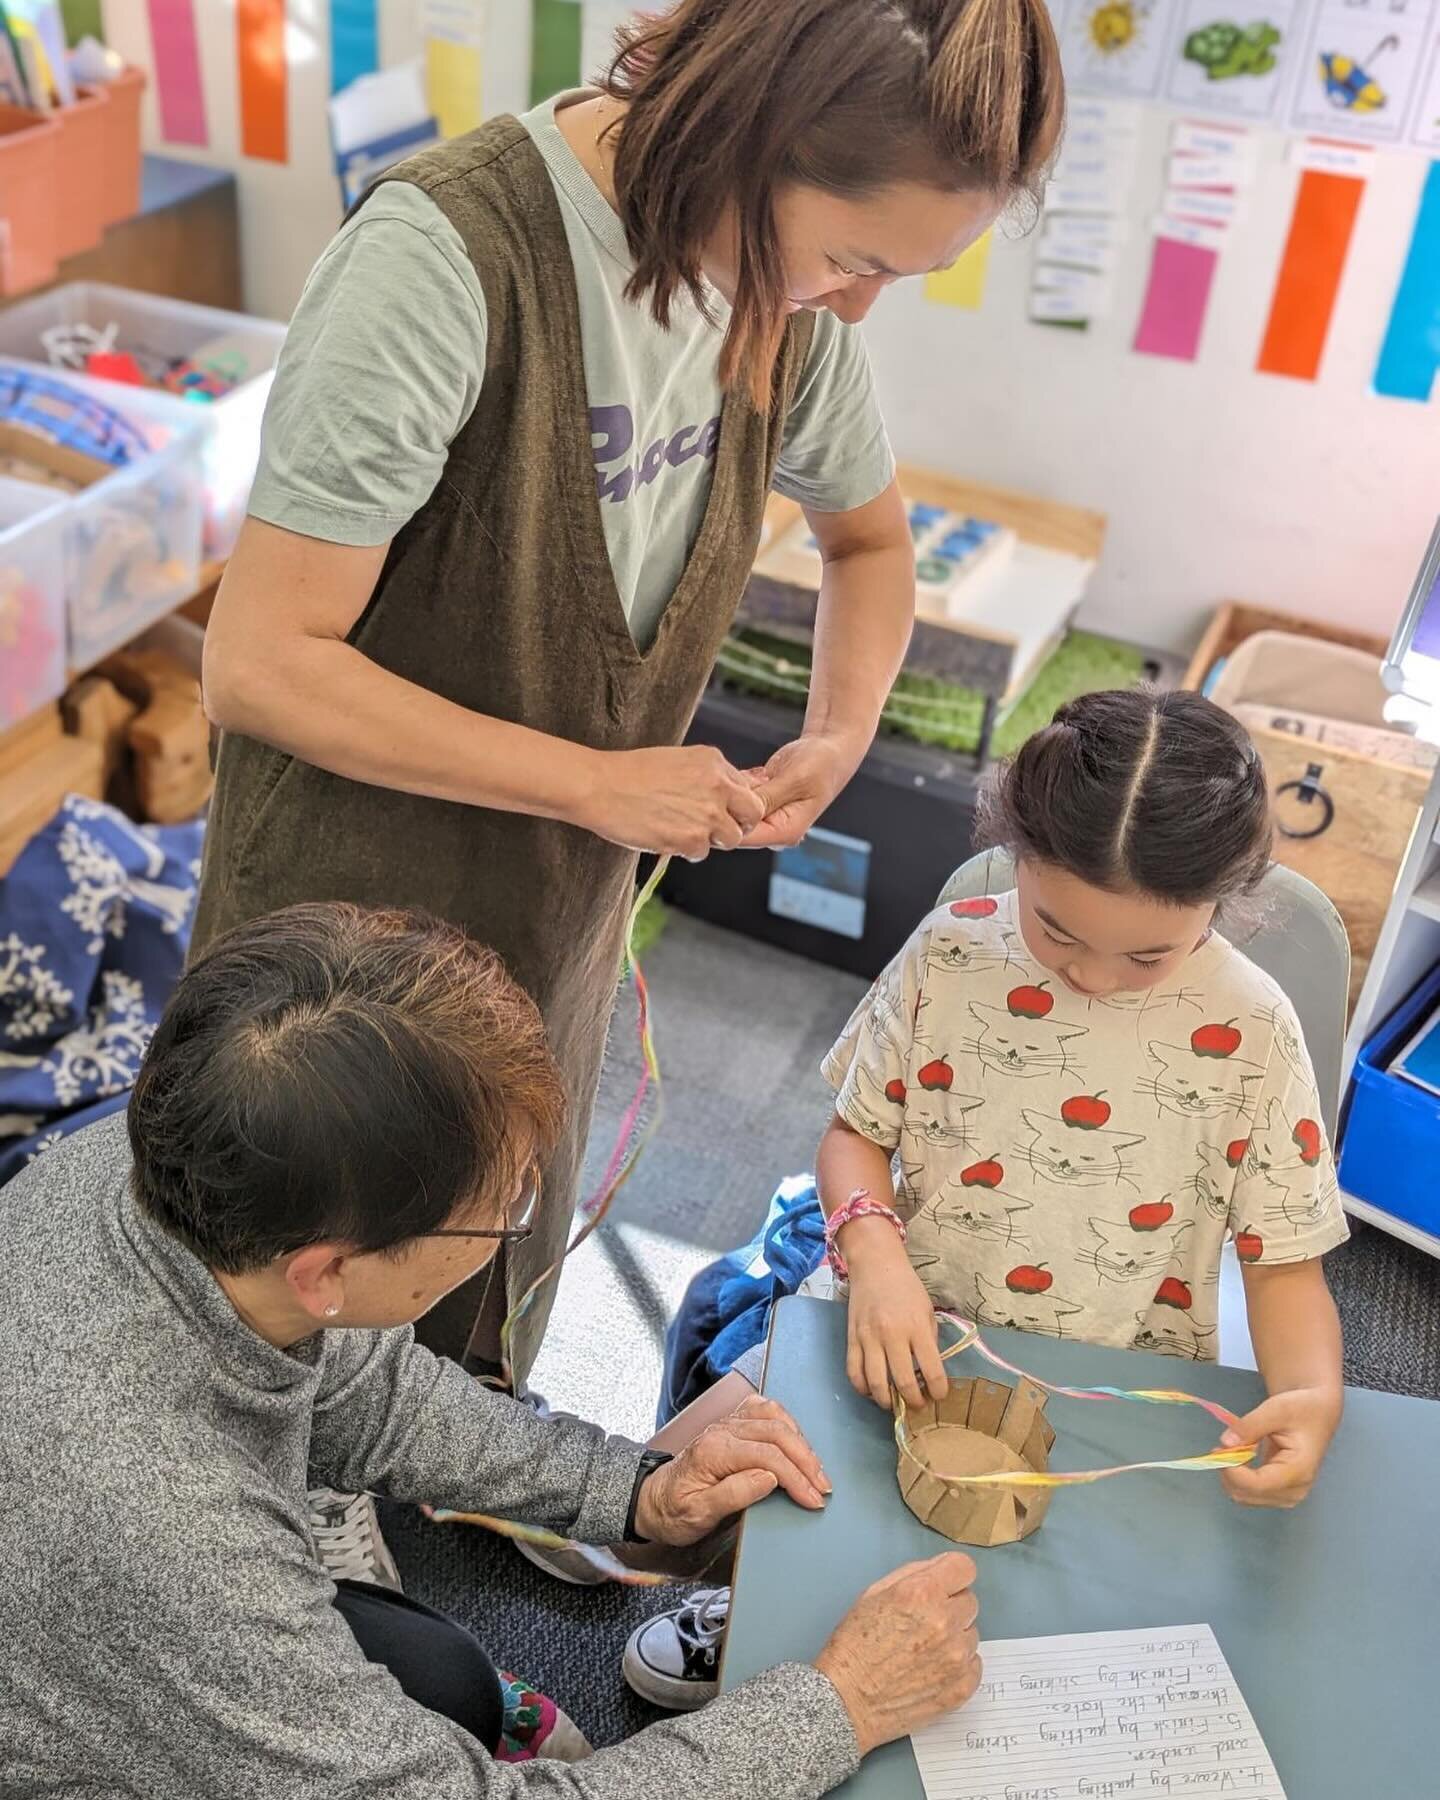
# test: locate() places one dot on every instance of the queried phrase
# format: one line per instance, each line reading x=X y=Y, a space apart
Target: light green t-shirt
x=386 y=353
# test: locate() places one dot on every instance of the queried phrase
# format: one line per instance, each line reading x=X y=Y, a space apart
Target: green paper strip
x=83 y=18
x=554 y=49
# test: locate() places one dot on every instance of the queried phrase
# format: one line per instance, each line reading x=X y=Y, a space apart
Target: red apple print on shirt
x=1249 y=1246
x=1215 y=1040
x=1086 y=1112
x=987 y=1174
x=974 y=909
x=1307 y=1136
x=895 y=1090
x=1173 y=1292
x=1236 y=1153
x=1151 y=1216
x=1031 y=1002
x=1029 y=1278
x=937 y=1074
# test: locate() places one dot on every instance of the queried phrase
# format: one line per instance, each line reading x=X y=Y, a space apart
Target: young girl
x=1085 y=1089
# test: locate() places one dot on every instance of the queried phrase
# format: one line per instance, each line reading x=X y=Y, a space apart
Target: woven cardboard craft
x=980 y=1428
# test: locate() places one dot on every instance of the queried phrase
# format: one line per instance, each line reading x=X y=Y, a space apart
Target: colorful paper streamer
x=452 y=85
x=963 y=283
x=1310 y=271
x=260 y=52
x=1410 y=355
x=554 y=48
x=970 y=1339
x=1176 y=297
x=178 y=87
x=354 y=41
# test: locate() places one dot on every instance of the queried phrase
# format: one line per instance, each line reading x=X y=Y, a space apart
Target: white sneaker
x=673 y=1659
x=580 y=1565
x=348 y=1541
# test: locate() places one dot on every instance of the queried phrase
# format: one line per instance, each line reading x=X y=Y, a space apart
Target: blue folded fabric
x=94 y=924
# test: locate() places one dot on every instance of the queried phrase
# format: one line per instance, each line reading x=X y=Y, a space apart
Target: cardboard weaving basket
x=979 y=1427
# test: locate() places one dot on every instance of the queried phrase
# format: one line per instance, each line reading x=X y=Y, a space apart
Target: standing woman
x=513 y=477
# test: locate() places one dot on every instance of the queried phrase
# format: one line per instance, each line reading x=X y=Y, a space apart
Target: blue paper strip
x=1410 y=355
x=354 y=41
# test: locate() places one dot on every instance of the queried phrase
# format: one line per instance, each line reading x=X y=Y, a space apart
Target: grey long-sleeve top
x=165 y=1627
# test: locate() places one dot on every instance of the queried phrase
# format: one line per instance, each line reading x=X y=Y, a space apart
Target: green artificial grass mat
x=929 y=710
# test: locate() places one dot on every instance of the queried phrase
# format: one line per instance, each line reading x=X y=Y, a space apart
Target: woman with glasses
x=208 y=1302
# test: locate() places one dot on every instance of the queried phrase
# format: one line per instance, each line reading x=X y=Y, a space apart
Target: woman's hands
x=730 y=1466
x=907 y=1651
x=892 y=1319
x=685 y=801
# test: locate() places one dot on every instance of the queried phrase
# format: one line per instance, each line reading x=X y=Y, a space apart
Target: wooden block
x=33 y=790
x=95 y=709
x=171 y=742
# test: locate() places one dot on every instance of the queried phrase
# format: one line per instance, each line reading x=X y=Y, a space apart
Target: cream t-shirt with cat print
x=1074 y=1166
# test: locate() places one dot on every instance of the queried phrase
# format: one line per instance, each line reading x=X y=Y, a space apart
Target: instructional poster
x=1362 y=67
x=1235 y=58
x=1115 y=47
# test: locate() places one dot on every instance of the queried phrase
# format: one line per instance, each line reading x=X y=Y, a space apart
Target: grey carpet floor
x=741 y=1029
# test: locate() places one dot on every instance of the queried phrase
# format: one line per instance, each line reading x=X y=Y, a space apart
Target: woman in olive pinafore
x=515 y=463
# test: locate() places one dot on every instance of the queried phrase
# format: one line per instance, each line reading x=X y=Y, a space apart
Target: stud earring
x=331 y=1311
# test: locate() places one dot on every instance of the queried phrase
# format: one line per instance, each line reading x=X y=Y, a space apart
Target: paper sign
x=454 y=32
x=1205 y=172
x=354 y=41
x=1201 y=203
x=260 y=52
x=1331 y=157
x=1083 y=196
x=1111 y=115
x=1426 y=132
x=963 y=284
x=178 y=87
x=1410 y=355
x=1235 y=61
x=1089 y=288
x=1362 y=67
x=1310 y=271
x=1100 y=1713
x=1111 y=49
x=1075 y=253
x=1189 y=231
x=1176 y=296
x=1058 y=309
x=1229 y=141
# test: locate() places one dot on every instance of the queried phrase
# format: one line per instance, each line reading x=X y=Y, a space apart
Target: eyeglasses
x=506 y=1234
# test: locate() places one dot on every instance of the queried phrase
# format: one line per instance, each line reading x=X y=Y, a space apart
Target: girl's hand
x=1294 y=1430
x=892 y=1323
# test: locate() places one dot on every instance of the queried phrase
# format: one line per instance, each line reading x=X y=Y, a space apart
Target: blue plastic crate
x=1390 y=1145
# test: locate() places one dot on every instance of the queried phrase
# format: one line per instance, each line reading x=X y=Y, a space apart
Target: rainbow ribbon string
x=629 y=1143
x=970 y=1339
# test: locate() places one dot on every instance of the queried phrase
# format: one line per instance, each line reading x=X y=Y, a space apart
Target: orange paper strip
x=1309 y=278
x=260 y=48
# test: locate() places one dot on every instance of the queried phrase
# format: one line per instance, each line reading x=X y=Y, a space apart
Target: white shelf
x=1426 y=898
x=1400 y=1228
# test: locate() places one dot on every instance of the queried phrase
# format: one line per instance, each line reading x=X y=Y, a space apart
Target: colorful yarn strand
x=970 y=1339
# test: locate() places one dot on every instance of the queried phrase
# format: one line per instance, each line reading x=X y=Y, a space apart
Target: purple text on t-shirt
x=612 y=438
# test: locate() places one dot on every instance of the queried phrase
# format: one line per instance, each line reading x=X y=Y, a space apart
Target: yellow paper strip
x=963 y=283
x=452 y=83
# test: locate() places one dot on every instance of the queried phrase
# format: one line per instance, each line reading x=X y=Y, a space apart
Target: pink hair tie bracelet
x=858 y=1206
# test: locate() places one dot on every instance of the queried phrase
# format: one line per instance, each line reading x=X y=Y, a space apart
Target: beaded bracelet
x=858 y=1206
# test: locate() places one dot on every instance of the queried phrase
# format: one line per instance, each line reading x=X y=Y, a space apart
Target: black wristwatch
x=650 y=1461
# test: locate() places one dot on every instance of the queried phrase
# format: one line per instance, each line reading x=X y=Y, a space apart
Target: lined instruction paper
x=1101 y=1715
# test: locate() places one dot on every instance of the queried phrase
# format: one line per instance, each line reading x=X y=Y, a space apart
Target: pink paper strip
x=1175 y=300
x=177 y=72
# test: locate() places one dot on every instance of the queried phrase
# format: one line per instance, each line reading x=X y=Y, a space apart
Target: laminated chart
x=1236 y=59
x=1362 y=67
x=1115 y=48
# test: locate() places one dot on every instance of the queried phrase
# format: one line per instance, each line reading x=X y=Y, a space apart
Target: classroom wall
x=290 y=210
x=1315 y=497
x=1219 y=483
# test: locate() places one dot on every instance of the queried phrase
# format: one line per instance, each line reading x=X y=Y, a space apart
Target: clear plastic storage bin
x=246 y=348
x=32 y=600
x=131 y=540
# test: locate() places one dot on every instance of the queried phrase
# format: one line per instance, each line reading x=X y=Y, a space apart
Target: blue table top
x=167 y=180
x=1329 y=1615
